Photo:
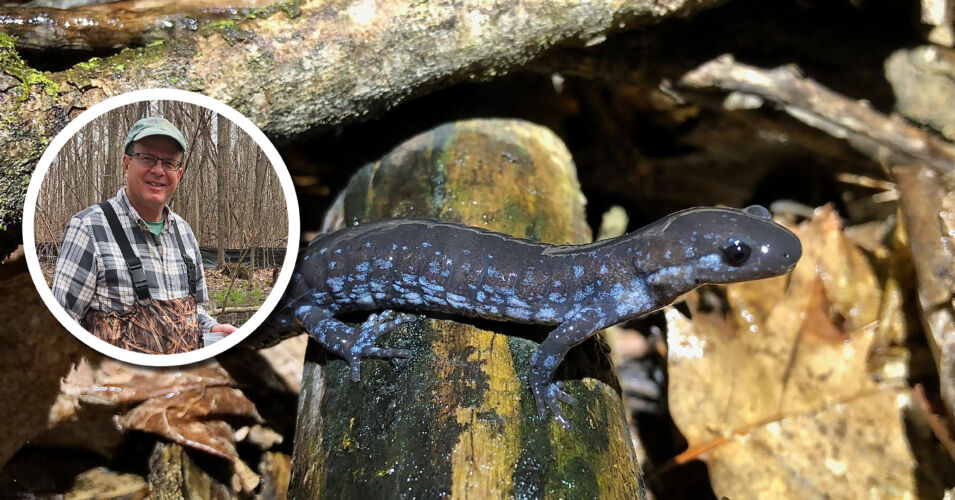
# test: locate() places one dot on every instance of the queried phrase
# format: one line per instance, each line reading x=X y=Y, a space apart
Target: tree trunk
x=261 y=166
x=457 y=419
x=116 y=139
x=224 y=142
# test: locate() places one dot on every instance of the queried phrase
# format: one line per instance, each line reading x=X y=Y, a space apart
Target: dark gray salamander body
x=426 y=265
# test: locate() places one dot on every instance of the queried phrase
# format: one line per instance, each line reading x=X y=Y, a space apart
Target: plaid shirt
x=92 y=274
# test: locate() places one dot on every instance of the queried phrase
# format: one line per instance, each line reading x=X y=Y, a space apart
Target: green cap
x=155 y=125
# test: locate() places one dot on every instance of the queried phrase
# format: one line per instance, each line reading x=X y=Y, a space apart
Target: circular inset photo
x=161 y=227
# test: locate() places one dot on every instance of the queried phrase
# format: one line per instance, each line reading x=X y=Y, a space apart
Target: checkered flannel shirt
x=92 y=274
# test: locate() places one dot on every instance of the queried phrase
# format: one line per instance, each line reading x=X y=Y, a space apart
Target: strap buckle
x=139 y=281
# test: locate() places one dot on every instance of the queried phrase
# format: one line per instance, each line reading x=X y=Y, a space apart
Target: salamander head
x=725 y=245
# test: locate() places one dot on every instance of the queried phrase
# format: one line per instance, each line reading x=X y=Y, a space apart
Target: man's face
x=149 y=188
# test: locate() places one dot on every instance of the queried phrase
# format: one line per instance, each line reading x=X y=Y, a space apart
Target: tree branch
x=885 y=139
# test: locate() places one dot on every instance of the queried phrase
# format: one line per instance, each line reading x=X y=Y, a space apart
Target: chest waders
x=149 y=326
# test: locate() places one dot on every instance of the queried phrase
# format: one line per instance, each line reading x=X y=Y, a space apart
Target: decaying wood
x=114 y=24
x=457 y=419
x=231 y=309
x=304 y=67
x=923 y=81
x=885 y=139
x=37 y=354
x=173 y=474
x=923 y=202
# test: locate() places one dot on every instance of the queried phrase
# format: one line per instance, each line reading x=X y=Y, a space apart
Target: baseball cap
x=154 y=125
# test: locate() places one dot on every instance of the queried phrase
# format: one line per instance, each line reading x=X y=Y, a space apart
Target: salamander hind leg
x=352 y=343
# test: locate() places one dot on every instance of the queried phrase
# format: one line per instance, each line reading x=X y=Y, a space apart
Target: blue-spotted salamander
x=426 y=265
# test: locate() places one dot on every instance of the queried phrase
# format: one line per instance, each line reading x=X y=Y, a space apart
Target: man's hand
x=224 y=328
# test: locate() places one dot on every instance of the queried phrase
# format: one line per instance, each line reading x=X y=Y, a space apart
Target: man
x=129 y=268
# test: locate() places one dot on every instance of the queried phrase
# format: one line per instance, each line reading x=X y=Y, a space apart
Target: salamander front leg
x=550 y=353
x=352 y=343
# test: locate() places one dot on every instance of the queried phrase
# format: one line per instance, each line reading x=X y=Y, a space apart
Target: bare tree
x=221 y=163
x=224 y=146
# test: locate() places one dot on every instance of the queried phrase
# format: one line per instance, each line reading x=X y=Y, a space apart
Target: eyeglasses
x=150 y=161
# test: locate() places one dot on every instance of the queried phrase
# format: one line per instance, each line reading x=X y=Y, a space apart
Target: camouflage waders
x=153 y=327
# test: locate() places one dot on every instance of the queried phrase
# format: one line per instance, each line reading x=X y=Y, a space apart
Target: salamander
x=430 y=266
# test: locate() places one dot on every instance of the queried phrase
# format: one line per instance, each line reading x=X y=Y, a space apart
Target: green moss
x=291 y=9
x=128 y=59
x=13 y=65
x=228 y=29
x=89 y=65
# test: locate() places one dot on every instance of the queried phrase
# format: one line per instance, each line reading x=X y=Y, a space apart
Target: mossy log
x=174 y=475
x=457 y=419
x=303 y=66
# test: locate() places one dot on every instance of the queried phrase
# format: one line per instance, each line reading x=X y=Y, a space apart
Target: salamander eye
x=736 y=253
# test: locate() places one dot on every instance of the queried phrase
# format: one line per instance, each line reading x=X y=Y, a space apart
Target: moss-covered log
x=458 y=418
x=303 y=66
x=173 y=475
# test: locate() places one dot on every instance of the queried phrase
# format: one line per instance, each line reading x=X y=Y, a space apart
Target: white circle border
x=33 y=192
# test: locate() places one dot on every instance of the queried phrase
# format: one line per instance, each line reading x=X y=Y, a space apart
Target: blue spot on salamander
x=518 y=313
x=545 y=314
x=582 y=294
x=516 y=302
x=335 y=284
x=457 y=300
x=578 y=271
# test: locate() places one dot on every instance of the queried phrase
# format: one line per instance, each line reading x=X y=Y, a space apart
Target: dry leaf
x=194 y=419
x=119 y=383
x=776 y=397
x=186 y=405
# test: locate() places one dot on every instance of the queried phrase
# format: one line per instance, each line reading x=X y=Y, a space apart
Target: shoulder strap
x=133 y=263
x=190 y=265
